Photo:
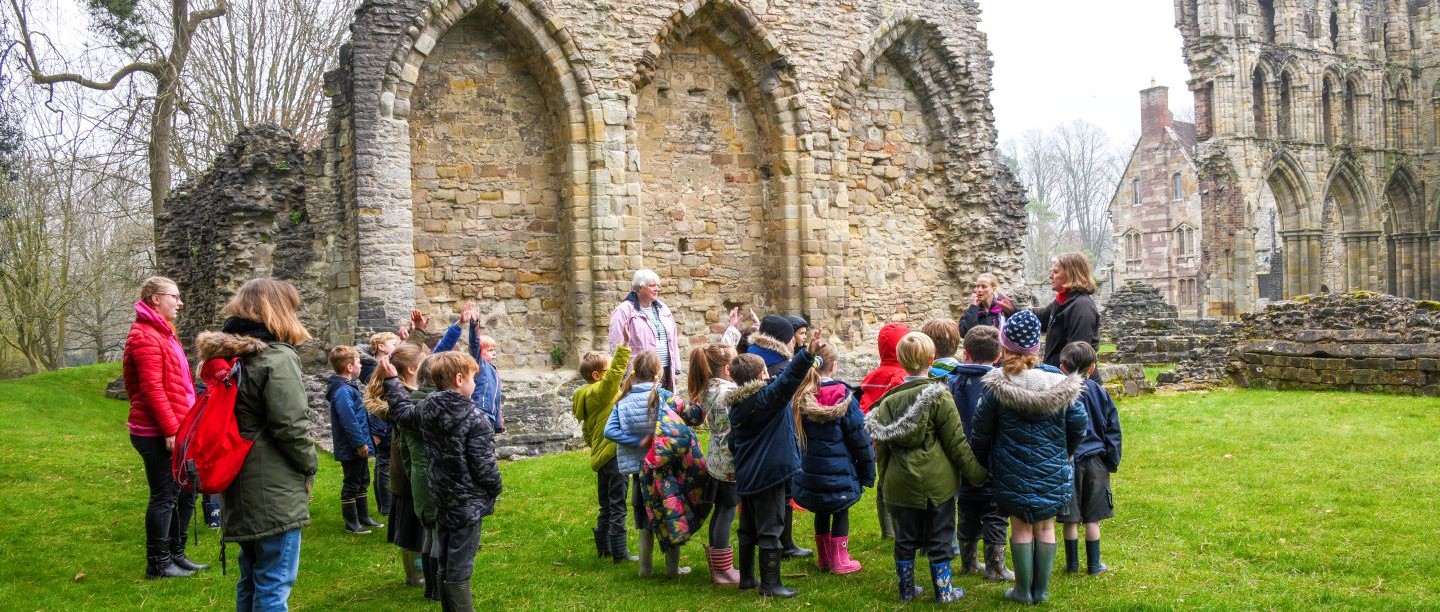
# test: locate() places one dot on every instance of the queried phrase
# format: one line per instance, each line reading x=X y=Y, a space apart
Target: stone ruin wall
x=834 y=160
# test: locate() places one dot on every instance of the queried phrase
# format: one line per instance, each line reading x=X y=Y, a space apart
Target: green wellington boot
x=1024 y=557
x=1044 y=564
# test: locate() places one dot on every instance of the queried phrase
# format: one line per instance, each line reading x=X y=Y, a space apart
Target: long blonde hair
x=406 y=359
x=805 y=394
x=1015 y=363
x=706 y=362
x=272 y=303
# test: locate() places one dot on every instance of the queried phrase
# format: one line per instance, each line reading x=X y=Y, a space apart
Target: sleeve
x=952 y=438
x=610 y=383
x=150 y=368
x=970 y=320
x=768 y=401
x=1043 y=313
x=1111 y=434
x=449 y=340
x=731 y=336
x=985 y=422
x=618 y=434
x=617 y=328
x=402 y=410
x=420 y=484
x=857 y=442
x=348 y=416
x=378 y=427
x=287 y=413
x=480 y=457
x=474 y=340
x=692 y=413
x=1076 y=421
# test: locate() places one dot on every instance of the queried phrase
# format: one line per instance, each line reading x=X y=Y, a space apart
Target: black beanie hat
x=777 y=327
x=797 y=321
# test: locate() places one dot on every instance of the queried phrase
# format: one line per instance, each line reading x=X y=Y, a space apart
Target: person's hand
x=817 y=341
x=975 y=297
x=418 y=320
x=1003 y=301
x=754 y=320
x=734 y=317
x=376 y=439
x=384 y=368
x=625 y=335
x=169 y=443
x=363 y=450
x=468 y=313
x=403 y=331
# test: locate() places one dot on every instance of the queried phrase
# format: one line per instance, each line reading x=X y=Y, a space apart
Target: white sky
x=1060 y=60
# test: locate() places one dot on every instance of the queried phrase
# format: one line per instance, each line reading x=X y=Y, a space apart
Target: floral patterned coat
x=673 y=482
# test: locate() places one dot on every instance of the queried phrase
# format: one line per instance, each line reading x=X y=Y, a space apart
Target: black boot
x=602 y=543
x=362 y=508
x=745 y=563
x=431 y=566
x=787 y=538
x=177 y=556
x=456 y=596
x=619 y=551
x=1072 y=556
x=352 y=517
x=770 y=585
x=969 y=563
x=158 y=563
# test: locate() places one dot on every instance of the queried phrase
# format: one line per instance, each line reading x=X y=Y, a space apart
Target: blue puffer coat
x=1025 y=430
x=838 y=458
x=967 y=386
x=762 y=430
x=629 y=424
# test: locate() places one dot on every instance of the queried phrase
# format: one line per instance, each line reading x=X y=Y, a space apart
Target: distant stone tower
x=1323 y=115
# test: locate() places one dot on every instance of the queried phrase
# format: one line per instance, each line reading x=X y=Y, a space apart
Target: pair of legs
x=1091 y=504
x=353 y=488
x=1033 y=544
x=167 y=512
x=457 y=546
x=382 y=478
x=610 y=490
x=979 y=520
x=932 y=530
x=762 y=524
x=835 y=525
x=719 y=555
x=268 y=567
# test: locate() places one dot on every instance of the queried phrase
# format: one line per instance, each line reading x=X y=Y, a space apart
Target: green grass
x=1154 y=370
x=1106 y=348
x=1226 y=500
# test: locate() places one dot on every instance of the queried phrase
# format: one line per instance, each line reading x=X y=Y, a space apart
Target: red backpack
x=209 y=449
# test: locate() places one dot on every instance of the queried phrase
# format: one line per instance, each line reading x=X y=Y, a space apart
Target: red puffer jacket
x=157 y=375
x=889 y=375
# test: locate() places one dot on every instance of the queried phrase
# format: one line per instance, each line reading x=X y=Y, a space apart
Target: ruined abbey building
x=1325 y=116
x=832 y=159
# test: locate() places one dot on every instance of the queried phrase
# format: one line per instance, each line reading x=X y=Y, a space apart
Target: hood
x=147 y=315
x=742 y=393
x=830 y=402
x=212 y=345
x=1034 y=392
x=761 y=344
x=890 y=336
x=449 y=408
x=972 y=369
x=908 y=428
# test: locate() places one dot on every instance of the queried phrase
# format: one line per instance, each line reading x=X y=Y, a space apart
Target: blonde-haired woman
x=269 y=501
x=1073 y=316
x=161 y=390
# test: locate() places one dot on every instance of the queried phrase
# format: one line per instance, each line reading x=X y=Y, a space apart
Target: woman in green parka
x=920 y=450
x=269 y=500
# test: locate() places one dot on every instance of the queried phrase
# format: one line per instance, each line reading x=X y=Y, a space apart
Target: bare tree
x=125 y=22
x=1088 y=169
x=264 y=62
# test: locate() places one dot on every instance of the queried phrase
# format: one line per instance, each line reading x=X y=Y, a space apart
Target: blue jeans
x=268 y=567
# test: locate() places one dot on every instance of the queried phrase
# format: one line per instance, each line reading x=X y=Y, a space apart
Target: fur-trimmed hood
x=908 y=428
x=742 y=393
x=769 y=348
x=1034 y=392
x=829 y=403
x=213 y=344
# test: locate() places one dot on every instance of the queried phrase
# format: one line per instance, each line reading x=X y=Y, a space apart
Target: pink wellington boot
x=822 y=551
x=722 y=568
x=839 y=553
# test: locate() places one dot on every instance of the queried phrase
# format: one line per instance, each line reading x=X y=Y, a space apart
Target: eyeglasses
x=173 y=295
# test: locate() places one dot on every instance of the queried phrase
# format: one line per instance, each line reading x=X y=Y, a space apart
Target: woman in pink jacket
x=161 y=390
x=651 y=326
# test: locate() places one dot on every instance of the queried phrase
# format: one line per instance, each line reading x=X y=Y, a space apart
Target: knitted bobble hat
x=777 y=327
x=1022 y=333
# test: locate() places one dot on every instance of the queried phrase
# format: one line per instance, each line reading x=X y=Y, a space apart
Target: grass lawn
x=1226 y=500
x=1153 y=371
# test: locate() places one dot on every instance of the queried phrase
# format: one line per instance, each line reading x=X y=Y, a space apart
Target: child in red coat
x=876 y=384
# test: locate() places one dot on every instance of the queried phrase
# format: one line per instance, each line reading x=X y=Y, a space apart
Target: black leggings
x=169 y=508
x=837 y=525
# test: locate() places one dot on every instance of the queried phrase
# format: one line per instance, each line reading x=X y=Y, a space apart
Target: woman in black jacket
x=1073 y=315
x=988 y=305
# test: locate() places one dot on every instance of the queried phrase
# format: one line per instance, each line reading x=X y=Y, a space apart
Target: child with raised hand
x=411 y=513
x=1027 y=426
x=483 y=349
x=1097 y=456
x=632 y=429
x=837 y=460
x=592 y=404
x=709 y=381
x=350 y=434
x=464 y=480
x=763 y=436
x=921 y=451
x=381 y=344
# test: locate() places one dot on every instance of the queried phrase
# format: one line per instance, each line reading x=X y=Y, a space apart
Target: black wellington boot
x=352 y=517
x=362 y=512
x=602 y=543
x=746 y=564
x=770 y=585
x=787 y=537
x=177 y=556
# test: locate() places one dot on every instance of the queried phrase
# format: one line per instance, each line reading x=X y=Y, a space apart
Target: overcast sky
x=1059 y=60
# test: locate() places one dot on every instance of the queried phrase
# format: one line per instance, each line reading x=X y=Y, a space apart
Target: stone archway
x=1407 y=243
x=1297 y=221
x=716 y=165
x=482 y=200
x=1352 y=256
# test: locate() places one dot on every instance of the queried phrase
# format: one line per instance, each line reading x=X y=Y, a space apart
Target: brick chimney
x=1154 y=110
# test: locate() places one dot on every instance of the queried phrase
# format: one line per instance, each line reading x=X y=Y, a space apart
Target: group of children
x=953 y=446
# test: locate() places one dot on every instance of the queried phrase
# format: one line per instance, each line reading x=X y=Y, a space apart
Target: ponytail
x=706 y=362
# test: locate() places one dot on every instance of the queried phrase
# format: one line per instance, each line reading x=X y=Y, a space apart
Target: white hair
x=642 y=278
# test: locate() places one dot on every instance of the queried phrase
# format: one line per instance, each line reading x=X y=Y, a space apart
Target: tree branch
x=40 y=78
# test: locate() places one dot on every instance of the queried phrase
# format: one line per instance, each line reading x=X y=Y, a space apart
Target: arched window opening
x=1327 y=112
x=1335 y=26
x=1257 y=102
x=1267 y=17
x=1283 y=120
x=1351 y=130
